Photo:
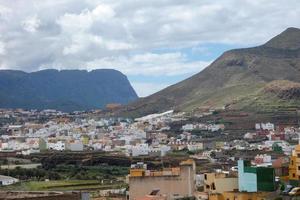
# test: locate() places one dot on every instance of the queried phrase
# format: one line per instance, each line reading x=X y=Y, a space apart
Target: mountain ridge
x=66 y=90
x=232 y=76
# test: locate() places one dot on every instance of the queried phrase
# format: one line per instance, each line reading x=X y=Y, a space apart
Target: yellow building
x=239 y=196
x=294 y=166
x=219 y=183
x=85 y=139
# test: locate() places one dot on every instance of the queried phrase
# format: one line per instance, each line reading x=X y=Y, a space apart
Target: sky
x=155 y=43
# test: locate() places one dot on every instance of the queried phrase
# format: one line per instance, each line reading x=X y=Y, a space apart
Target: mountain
x=66 y=90
x=238 y=78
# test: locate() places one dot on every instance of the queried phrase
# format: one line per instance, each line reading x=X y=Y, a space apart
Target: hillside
x=66 y=90
x=236 y=76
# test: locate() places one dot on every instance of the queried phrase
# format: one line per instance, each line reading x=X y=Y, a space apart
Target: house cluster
x=26 y=132
x=51 y=130
x=263 y=177
x=203 y=127
x=269 y=130
x=248 y=182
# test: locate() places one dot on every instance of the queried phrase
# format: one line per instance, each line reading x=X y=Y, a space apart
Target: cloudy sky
x=154 y=42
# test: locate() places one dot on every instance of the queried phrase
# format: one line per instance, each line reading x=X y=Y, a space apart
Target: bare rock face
x=284 y=89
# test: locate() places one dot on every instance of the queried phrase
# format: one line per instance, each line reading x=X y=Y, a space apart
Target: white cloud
x=103 y=12
x=4 y=12
x=124 y=34
x=2 y=48
x=77 y=33
x=150 y=64
x=72 y=22
x=82 y=31
x=31 y=24
x=144 y=89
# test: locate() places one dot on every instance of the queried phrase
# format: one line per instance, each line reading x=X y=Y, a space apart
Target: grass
x=221 y=97
x=91 y=172
x=61 y=185
x=267 y=103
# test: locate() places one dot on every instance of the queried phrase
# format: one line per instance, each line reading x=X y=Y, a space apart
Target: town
x=149 y=100
x=160 y=156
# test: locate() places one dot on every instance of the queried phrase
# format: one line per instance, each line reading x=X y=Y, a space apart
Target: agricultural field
x=62 y=185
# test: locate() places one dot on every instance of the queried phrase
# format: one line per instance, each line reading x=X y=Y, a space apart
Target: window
x=294 y=175
x=292 y=162
x=298 y=167
x=205 y=176
x=207 y=186
x=213 y=186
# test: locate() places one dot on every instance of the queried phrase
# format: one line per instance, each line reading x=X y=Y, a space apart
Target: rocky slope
x=283 y=89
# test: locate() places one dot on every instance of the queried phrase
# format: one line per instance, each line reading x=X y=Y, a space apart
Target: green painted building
x=254 y=179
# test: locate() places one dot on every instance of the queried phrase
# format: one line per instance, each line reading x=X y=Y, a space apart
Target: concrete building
x=7 y=180
x=58 y=146
x=268 y=126
x=294 y=166
x=172 y=182
x=74 y=146
x=254 y=179
x=219 y=183
x=195 y=147
x=140 y=150
x=200 y=180
x=188 y=127
x=281 y=166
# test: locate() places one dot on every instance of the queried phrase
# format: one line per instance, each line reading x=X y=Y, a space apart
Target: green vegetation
x=30 y=174
x=67 y=177
x=91 y=172
x=103 y=172
x=62 y=185
x=181 y=153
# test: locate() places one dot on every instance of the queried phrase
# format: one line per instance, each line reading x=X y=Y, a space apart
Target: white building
x=140 y=150
x=257 y=126
x=214 y=127
x=199 y=180
x=195 y=147
x=7 y=180
x=249 y=135
x=58 y=146
x=75 y=146
x=162 y=150
x=188 y=127
x=268 y=126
